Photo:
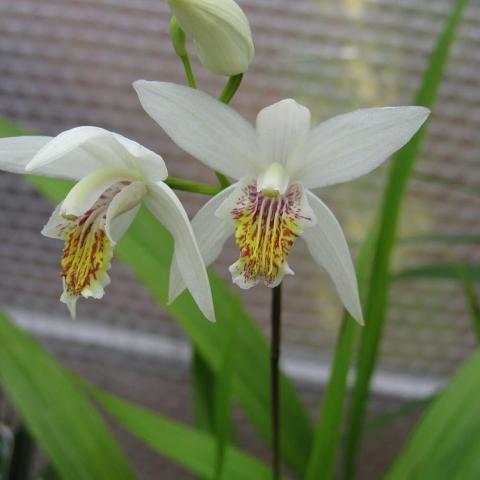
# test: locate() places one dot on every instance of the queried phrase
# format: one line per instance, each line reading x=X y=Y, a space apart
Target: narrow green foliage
x=437 y=271
x=376 y=304
x=471 y=297
x=323 y=455
x=60 y=418
x=457 y=237
x=386 y=419
x=445 y=443
x=203 y=392
x=222 y=417
x=194 y=449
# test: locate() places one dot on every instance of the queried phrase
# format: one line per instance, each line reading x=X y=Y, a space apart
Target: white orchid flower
x=275 y=165
x=221 y=33
x=115 y=175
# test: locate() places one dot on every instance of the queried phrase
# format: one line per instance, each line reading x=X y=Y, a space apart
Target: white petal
x=56 y=225
x=282 y=130
x=87 y=191
x=211 y=233
x=350 y=145
x=16 y=152
x=327 y=245
x=80 y=151
x=123 y=209
x=204 y=127
x=164 y=204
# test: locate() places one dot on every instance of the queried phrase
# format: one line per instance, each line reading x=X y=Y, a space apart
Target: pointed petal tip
x=359 y=318
x=211 y=317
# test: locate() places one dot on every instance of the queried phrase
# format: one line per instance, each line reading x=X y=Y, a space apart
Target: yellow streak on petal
x=86 y=257
x=265 y=230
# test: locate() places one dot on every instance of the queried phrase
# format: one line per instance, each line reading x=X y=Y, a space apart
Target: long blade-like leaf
x=437 y=271
x=147 y=249
x=223 y=393
x=445 y=443
x=376 y=304
x=61 y=419
x=323 y=455
x=457 y=237
x=471 y=297
x=324 y=452
x=194 y=449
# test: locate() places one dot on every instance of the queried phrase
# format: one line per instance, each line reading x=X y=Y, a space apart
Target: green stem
x=275 y=378
x=191 y=186
x=227 y=94
x=188 y=71
x=231 y=88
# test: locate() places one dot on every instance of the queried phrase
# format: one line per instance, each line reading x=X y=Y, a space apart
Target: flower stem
x=227 y=94
x=275 y=378
x=231 y=88
x=191 y=186
x=188 y=71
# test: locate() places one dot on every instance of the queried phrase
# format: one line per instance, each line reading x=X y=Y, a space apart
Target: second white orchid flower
x=115 y=175
x=276 y=164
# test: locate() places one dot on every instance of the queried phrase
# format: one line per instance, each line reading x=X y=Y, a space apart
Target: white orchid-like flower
x=221 y=33
x=115 y=175
x=275 y=165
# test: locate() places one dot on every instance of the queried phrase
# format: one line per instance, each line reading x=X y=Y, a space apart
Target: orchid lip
x=266 y=228
x=274 y=181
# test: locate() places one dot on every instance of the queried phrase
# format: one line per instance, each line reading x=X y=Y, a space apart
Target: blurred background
x=65 y=63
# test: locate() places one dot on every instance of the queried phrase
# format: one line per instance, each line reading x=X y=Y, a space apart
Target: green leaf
x=376 y=304
x=470 y=296
x=437 y=271
x=139 y=249
x=147 y=249
x=445 y=443
x=60 y=418
x=457 y=237
x=223 y=393
x=203 y=394
x=323 y=456
x=194 y=449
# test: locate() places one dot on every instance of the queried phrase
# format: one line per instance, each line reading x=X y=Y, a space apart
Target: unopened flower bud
x=221 y=33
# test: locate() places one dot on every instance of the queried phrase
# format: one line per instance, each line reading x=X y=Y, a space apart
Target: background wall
x=65 y=63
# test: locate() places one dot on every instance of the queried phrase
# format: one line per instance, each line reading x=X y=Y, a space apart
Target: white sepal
x=327 y=245
x=165 y=205
x=282 y=130
x=211 y=234
x=16 y=152
x=204 y=127
x=353 y=144
x=80 y=151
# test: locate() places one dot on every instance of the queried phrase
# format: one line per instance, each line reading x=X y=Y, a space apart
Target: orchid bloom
x=275 y=165
x=114 y=176
x=220 y=31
